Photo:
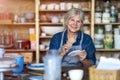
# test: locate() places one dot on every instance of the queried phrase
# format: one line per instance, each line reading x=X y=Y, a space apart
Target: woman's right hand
x=66 y=47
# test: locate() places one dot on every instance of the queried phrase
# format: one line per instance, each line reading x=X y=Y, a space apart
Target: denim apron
x=69 y=60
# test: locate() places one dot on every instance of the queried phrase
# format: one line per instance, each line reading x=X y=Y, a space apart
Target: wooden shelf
x=50 y=24
x=107 y=50
x=54 y=24
x=46 y=37
x=19 y=50
x=85 y=10
x=44 y=50
x=33 y=23
x=17 y=24
x=107 y=23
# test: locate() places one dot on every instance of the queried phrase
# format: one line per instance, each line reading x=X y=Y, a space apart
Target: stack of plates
x=35 y=66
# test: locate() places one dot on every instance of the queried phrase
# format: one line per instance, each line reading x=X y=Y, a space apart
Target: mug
x=20 y=63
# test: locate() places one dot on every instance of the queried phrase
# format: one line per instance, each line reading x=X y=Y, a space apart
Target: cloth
x=87 y=45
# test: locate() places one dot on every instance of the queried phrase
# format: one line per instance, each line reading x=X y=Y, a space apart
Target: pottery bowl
x=29 y=15
x=51 y=30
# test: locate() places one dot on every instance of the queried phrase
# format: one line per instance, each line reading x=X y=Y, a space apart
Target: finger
x=66 y=49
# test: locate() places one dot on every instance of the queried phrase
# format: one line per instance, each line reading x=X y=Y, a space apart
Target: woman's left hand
x=82 y=55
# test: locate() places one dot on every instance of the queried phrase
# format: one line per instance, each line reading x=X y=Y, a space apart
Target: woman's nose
x=75 y=22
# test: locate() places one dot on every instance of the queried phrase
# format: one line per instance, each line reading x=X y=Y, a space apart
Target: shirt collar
x=78 y=37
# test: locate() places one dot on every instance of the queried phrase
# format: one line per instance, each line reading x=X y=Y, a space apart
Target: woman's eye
x=79 y=21
x=72 y=19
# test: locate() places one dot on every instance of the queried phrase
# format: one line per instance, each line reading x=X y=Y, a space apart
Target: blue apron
x=71 y=60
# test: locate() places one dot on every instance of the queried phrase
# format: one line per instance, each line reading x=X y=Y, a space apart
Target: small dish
x=36 y=78
x=35 y=66
x=74 y=53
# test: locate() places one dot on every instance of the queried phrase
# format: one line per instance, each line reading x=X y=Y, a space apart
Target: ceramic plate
x=36 y=78
x=35 y=66
x=74 y=53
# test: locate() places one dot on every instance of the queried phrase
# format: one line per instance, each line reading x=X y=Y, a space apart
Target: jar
x=118 y=17
x=108 y=27
x=22 y=44
x=98 y=20
x=113 y=15
x=100 y=30
x=98 y=14
x=99 y=43
x=106 y=16
x=108 y=40
x=116 y=31
x=52 y=62
x=117 y=41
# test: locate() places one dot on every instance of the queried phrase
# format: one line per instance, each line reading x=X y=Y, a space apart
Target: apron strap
x=81 y=40
x=61 y=43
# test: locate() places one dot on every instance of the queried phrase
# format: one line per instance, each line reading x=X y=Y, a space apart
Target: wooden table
x=64 y=70
x=2 y=70
x=41 y=72
x=86 y=72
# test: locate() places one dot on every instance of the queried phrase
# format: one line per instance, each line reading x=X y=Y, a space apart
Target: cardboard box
x=28 y=56
x=33 y=45
x=5 y=21
x=96 y=74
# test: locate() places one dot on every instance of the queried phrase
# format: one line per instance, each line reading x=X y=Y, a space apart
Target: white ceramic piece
x=51 y=30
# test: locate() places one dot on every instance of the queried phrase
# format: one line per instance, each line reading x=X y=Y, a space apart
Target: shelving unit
x=114 y=25
x=34 y=6
x=106 y=52
x=19 y=7
x=88 y=12
x=92 y=25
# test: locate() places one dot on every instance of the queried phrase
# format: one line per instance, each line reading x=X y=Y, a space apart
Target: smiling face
x=74 y=23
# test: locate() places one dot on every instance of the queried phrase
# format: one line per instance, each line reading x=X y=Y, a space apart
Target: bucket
x=20 y=63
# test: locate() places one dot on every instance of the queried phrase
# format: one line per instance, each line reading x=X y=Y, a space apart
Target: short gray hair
x=71 y=13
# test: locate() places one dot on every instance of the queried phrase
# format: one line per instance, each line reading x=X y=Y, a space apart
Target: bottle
x=16 y=18
x=99 y=38
x=106 y=16
x=106 y=5
x=108 y=40
x=7 y=39
x=119 y=17
x=52 y=63
x=2 y=52
x=2 y=37
x=98 y=13
x=11 y=38
x=113 y=14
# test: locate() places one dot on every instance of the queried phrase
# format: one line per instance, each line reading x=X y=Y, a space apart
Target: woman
x=74 y=39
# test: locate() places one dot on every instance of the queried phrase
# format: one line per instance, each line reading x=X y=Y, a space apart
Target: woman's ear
x=81 y=27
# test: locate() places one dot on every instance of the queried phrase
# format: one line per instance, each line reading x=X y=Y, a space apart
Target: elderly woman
x=74 y=39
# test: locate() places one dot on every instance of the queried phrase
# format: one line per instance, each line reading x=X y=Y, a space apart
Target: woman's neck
x=71 y=37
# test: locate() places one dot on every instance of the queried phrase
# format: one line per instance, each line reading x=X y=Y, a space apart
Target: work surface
x=27 y=73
